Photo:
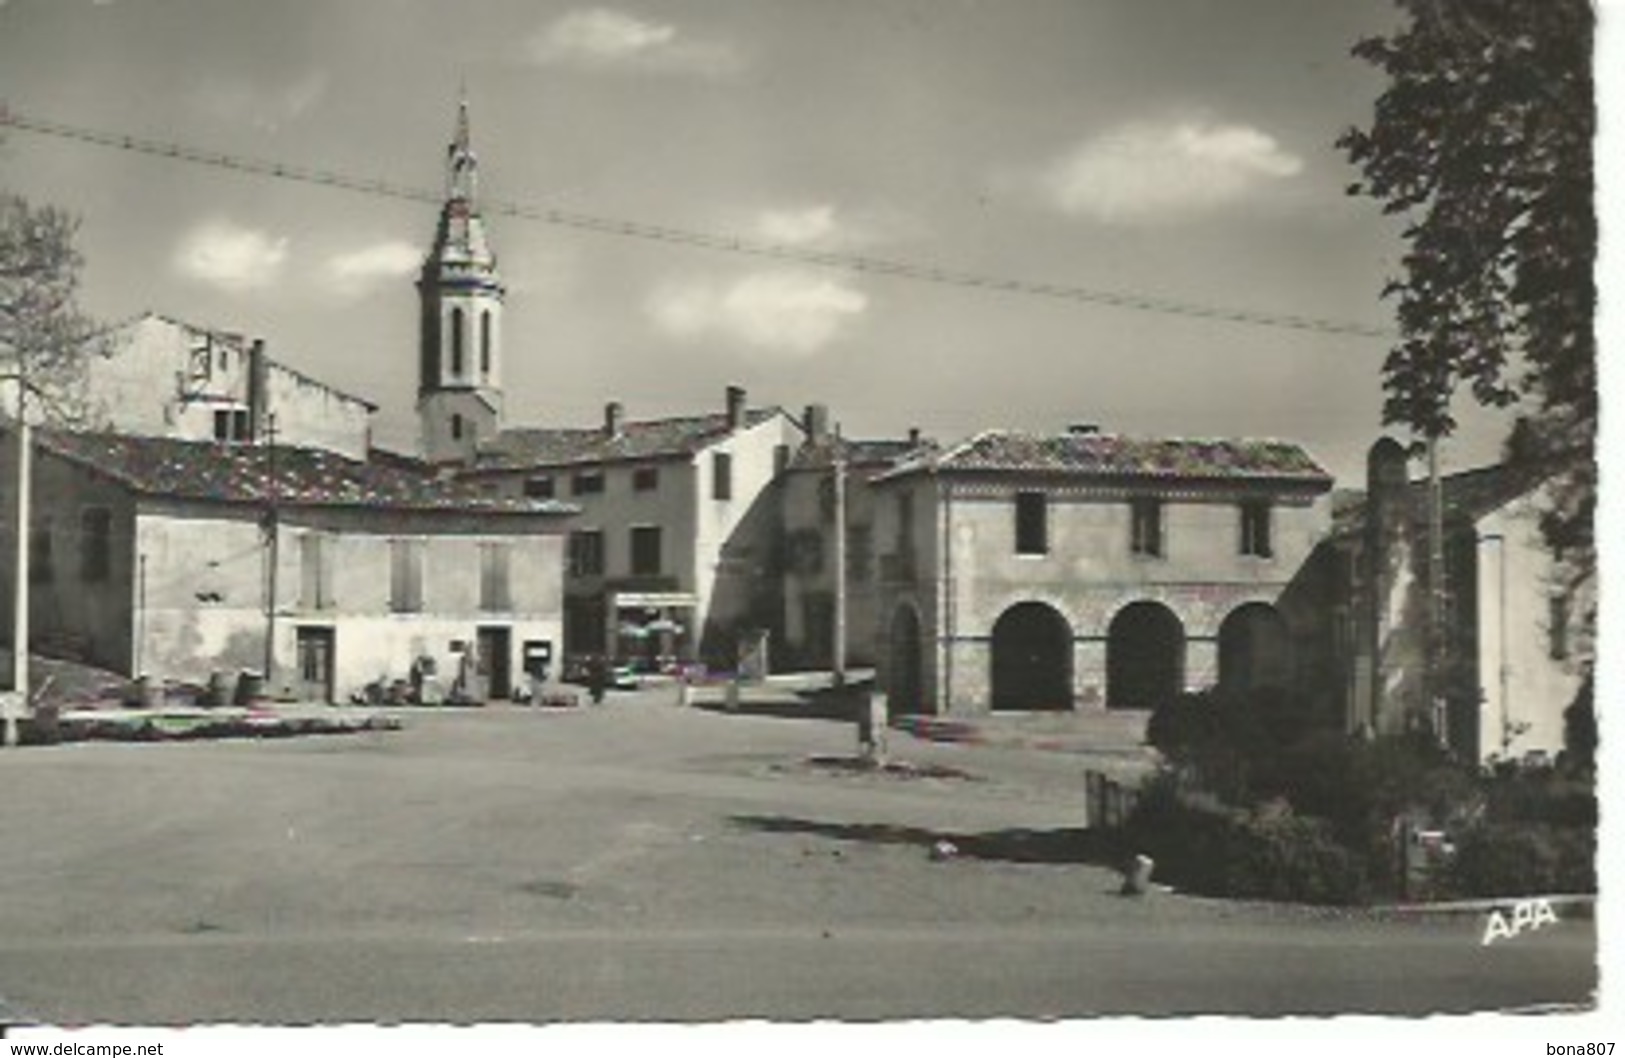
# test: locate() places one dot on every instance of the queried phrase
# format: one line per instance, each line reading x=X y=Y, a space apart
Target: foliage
x=1522 y=859
x=1272 y=854
x=1580 y=729
x=1482 y=142
x=42 y=332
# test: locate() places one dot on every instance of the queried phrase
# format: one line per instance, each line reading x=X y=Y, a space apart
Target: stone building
x=156 y=376
x=1495 y=677
x=804 y=637
x=670 y=556
x=162 y=556
x=1087 y=571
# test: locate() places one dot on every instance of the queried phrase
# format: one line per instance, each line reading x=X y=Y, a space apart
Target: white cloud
x=226 y=255
x=790 y=312
x=265 y=106
x=1153 y=171
x=599 y=38
x=358 y=271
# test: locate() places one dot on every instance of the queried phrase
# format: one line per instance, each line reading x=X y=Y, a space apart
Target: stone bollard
x=731 y=701
x=872 y=717
x=1137 y=875
x=685 y=693
x=11 y=710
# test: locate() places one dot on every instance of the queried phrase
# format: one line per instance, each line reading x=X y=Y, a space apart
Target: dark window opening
x=645 y=550
x=1147 y=533
x=1255 y=529
x=539 y=488
x=587 y=483
x=1032 y=523
x=586 y=553
x=457 y=342
x=456 y=427
x=646 y=479
x=722 y=476
x=485 y=342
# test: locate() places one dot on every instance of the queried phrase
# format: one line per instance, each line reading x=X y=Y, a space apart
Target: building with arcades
x=1090 y=571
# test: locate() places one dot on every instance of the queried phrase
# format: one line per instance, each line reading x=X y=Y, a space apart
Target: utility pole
x=1436 y=663
x=271 y=560
x=838 y=472
x=20 y=565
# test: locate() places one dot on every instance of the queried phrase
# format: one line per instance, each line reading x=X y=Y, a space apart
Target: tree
x=1482 y=142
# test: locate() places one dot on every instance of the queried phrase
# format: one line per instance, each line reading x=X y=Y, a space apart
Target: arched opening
x=1254 y=649
x=1145 y=657
x=1032 y=659
x=905 y=686
x=456 y=342
x=485 y=342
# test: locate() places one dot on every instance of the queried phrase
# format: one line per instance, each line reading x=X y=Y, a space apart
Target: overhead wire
x=716 y=242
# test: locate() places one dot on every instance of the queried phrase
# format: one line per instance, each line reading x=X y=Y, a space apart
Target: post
x=1436 y=596
x=271 y=553
x=19 y=601
x=839 y=557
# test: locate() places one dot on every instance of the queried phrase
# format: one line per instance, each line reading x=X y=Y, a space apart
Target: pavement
x=643 y=861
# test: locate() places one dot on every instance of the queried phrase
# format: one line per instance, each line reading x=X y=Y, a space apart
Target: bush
x=1522 y=859
x=1204 y=847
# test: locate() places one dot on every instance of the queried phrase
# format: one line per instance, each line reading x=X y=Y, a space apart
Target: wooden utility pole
x=838 y=472
x=271 y=551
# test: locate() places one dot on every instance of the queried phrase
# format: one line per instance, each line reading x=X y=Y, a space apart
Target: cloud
x=790 y=312
x=358 y=271
x=225 y=255
x=1154 y=171
x=266 y=107
x=599 y=38
x=797 y=226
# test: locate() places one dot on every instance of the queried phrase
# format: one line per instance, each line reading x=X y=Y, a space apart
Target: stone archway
x=1145 y=656
x=905 y=683
x=1255 y=651
x=1032 y=659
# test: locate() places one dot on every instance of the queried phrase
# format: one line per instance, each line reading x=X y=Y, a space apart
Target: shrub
x=1522 y=859
x=1204 y=847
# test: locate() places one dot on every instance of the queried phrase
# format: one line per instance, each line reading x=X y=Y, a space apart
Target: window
x=315 y=573
x=456 y=341
x=231 y=424
x=539 y=488
x=646 y=479
x=95 y=544
x=587 y=483
x=456 y=427
x=485 y=342
x=1557 y=628
x=40 y=567
x=1032 y=523
x=722 y=476
x=406 y=576
x=1147 y=532
x=1255 y=529
x=494 y=587
x=586 y=553
x=645 y=550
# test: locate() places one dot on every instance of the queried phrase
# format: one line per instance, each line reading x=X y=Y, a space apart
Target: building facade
x=184 y=559
x=670 y=556
x=1088 y=571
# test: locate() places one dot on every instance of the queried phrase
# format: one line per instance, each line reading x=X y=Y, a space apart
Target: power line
x=721 y=243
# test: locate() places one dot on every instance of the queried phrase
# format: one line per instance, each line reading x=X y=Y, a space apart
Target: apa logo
x=1526 y=914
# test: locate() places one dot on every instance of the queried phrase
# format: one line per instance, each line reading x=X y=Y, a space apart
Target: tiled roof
x=516 y=449
x=814 y=455
x=305 y=477
x=1113 y=456
x=1465 y=497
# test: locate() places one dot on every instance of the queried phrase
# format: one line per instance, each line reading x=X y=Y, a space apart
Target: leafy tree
x=43 y=334
x=1482 y=142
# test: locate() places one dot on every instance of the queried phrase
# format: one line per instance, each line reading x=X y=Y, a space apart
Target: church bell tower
x=460 y=327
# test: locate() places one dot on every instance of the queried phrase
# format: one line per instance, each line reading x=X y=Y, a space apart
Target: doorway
x=496 y=660
x=315 y=649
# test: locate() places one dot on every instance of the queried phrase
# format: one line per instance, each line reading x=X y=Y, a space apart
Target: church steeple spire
x=460 y=335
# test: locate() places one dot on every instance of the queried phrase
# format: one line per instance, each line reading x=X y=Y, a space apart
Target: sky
x=1177 y=149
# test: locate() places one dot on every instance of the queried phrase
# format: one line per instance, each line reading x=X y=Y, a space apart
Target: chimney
x=256 y=389
x=614 y=419
x=815 y=421
x=1083 y=429
x=914 y=437
x=736 y=407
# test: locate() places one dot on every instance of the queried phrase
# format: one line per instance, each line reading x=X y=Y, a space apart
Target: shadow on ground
x=822 y=703
x=1014 y=845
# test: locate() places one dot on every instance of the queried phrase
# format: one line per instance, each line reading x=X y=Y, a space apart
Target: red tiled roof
x=517 y=449
x=304 y=477
x=1113 y=456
